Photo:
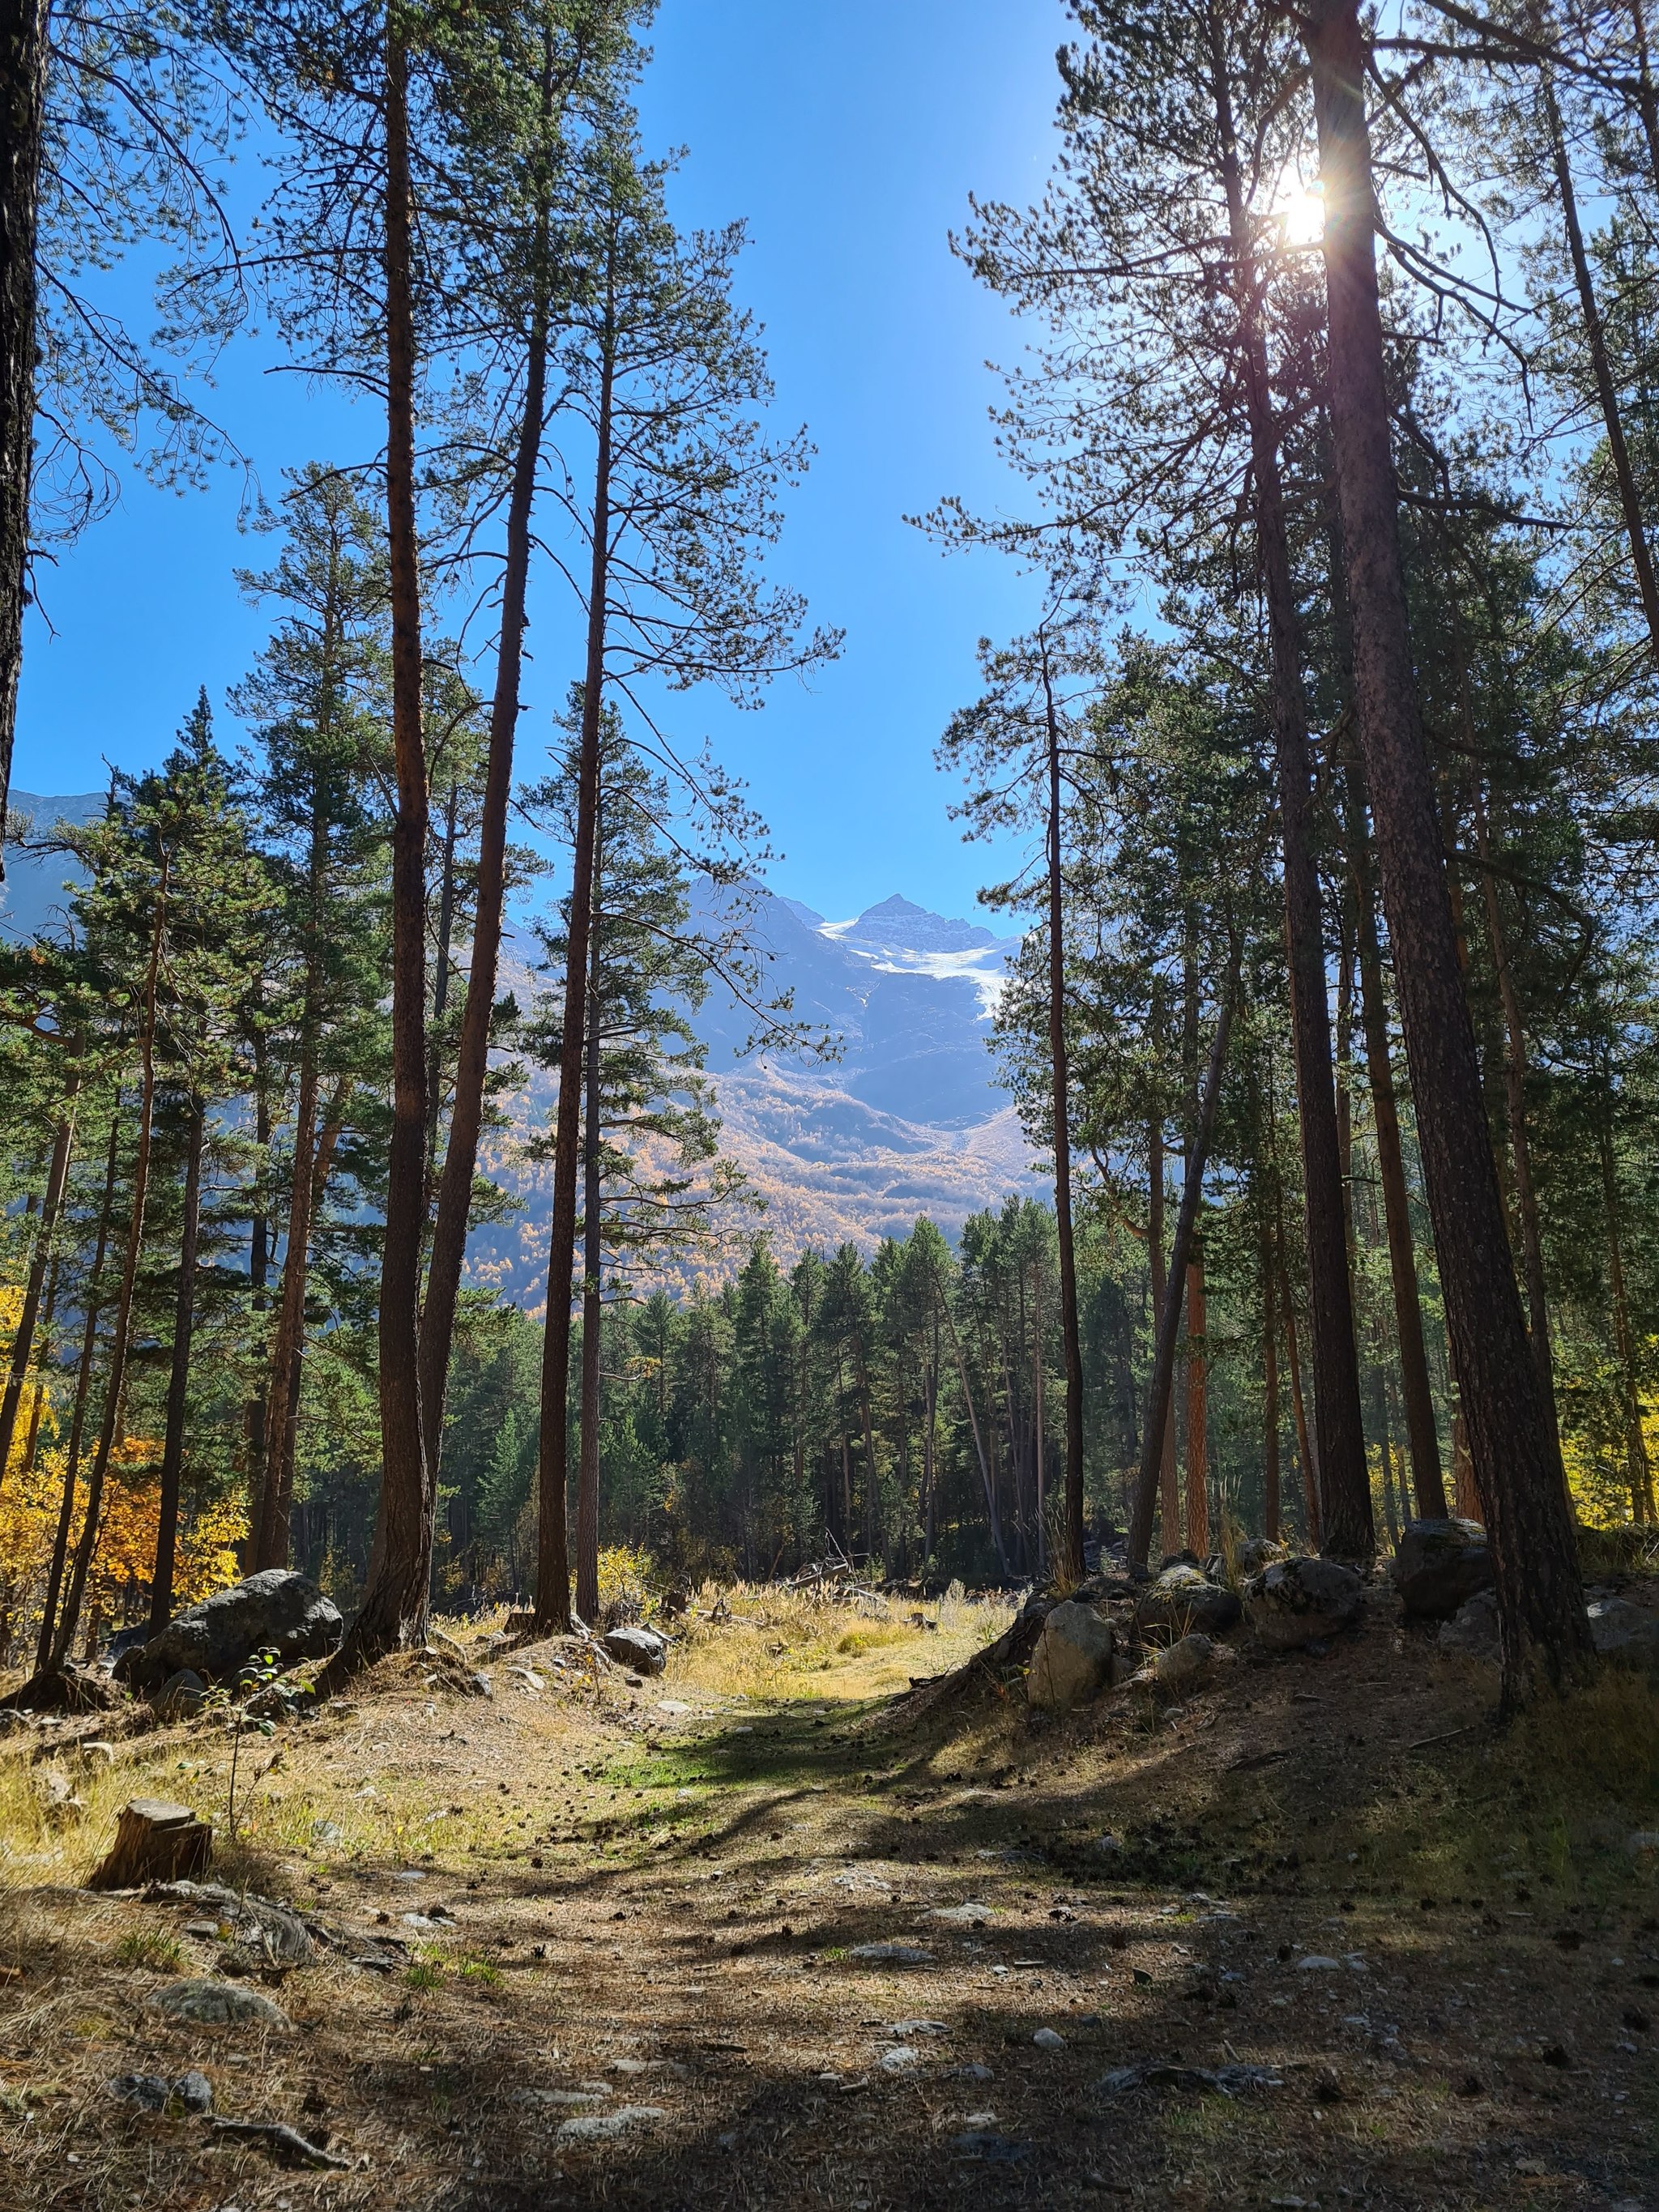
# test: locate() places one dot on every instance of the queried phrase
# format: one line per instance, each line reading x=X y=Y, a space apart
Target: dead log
x=154 y=1841
x=989 y=1674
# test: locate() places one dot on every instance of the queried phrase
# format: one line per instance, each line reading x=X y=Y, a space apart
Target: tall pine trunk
x=115 y=1383
x=22 y=1343
x=448 y=1252
x=95 y=1298
x=1345 y=1490
x=1638 y=1465
x=553 y=1474
x=1544 y=1630
x=272 y=1545
x=1422 y=1437
x=1158 y=1409
x=184 y=1327
x=1169 y=1494
x=22 y=116
x=1060 y=1082
x=394 y=1609
x=1198 y=1427
x=1270 y=1506
x=587 y=1478
x=1515 y=1106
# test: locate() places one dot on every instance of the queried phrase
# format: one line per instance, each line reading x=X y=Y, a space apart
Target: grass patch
x=149 y=1946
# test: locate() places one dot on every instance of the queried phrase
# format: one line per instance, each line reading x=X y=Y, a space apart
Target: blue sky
x=849 y=135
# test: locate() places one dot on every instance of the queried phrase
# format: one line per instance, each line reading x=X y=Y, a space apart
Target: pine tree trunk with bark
x=93 y=1315
x=1198 y=1428
x=1159 y=1402
x=1422 y=1437
x=22 y=124
x=587 y=1479
x=553 y=1478
x=1060 y=1082
x=22 y=1343
x=448 y=1253
x=184 y=1326
x=115 y=1383
x=394 y=1610
x=1345 y=1487
x=1544 y=1630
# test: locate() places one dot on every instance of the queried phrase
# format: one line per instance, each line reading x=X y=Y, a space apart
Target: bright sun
x=1301 y=211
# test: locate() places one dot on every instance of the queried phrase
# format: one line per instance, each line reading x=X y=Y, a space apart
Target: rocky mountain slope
x=905 y=1118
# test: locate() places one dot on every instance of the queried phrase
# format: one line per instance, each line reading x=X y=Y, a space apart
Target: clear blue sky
x=849 y=134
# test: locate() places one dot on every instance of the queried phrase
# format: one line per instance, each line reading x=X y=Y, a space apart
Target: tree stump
x=154 y=1841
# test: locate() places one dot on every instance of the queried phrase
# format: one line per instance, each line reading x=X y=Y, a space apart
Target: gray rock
x=1472 y=1634
x=891 y=1955
x=1185 y=1667
x=275 y=1611
x=1625 y=1634
x=194 y=2092
x=1298 y=1601
x=641 y=1648
x=993 y=2150
x=148 y=2091
x=901 y=2058
x=1183 y=1599
x=216 y=2004
x=1172 y=2073
x=180 y=1698
x=1439 y=1566
x=1048 y=2038
x=595 y=2126
x=1252 y=1554
x=1073 y=1660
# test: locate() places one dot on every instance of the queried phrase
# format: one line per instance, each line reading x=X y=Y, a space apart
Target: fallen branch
x=285 y=2144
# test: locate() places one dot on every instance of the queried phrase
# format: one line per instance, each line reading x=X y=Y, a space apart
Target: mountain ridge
x=907 y=1118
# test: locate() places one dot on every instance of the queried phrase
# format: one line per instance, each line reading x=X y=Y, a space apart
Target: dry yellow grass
x=757 y=1641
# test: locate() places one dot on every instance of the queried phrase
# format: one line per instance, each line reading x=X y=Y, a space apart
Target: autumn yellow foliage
x=31 y=1500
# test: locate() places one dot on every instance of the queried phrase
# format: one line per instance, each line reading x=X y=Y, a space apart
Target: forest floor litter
x=1321 y=1935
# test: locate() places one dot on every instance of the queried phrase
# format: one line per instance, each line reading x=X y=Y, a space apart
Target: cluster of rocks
x=1442 y=1572
x=1177 y=1622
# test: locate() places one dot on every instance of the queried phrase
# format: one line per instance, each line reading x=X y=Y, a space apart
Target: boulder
x=1439 y=1566
x=1471 y=1634
x=1253 y=1555
x=180 y=1698
x=1185 y=1667
x=1184 y=1599
x=641 y=1648
x=1073 y=1660
x=216 y=2004
x=1625 y=1634
x=275 y=1611
x=1303 y=1601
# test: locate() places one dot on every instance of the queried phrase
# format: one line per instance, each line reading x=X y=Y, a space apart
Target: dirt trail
x=604 y=1948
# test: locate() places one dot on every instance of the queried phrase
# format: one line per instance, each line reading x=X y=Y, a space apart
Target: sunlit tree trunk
x=394 y=1610
x=1545 y=1630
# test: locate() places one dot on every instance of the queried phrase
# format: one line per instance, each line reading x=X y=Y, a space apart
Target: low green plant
x=149 y=1946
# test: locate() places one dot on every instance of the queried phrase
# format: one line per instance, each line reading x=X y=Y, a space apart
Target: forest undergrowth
x=580 y=1942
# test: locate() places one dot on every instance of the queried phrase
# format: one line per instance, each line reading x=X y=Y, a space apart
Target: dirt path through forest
x=614 y=1947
